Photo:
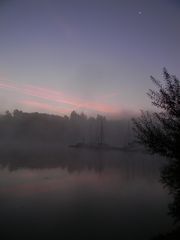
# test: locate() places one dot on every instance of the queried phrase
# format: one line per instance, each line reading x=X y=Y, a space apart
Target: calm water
x=79 y=194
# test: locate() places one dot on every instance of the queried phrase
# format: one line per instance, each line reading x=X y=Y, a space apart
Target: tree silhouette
x=170 y=179
x=159 y=131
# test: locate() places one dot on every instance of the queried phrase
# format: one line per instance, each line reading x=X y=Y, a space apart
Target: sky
x=94 y=56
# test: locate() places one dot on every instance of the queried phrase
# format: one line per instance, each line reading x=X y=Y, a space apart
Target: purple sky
x=86 y=55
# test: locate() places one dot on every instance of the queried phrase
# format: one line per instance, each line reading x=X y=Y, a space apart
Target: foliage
x=159 y=131
x=21 y=127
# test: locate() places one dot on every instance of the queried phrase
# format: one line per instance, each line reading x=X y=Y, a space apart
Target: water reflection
x=170 y=177
x=79 y=160
x=70 y=193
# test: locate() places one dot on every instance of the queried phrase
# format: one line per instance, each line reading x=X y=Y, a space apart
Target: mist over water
x=79 y=193
x=34 y=129
x=70 y=163
x=49 y=188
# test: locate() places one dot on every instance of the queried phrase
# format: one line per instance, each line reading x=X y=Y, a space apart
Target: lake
x=75 y=193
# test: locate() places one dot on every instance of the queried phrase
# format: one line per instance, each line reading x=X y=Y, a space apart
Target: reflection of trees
x=70 y=160
x=129 y=166
x=171 y=180
x=170 y=177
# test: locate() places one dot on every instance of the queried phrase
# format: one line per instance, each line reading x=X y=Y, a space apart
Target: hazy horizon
x=88 y=56
x=125 y=116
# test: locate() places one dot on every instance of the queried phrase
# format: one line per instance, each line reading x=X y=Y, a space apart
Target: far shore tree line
x=158 y=132
x=22 y=127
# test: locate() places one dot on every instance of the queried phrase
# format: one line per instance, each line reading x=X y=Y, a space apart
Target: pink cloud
x=57 y=97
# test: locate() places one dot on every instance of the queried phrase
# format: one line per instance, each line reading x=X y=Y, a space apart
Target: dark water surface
x=81 y=194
